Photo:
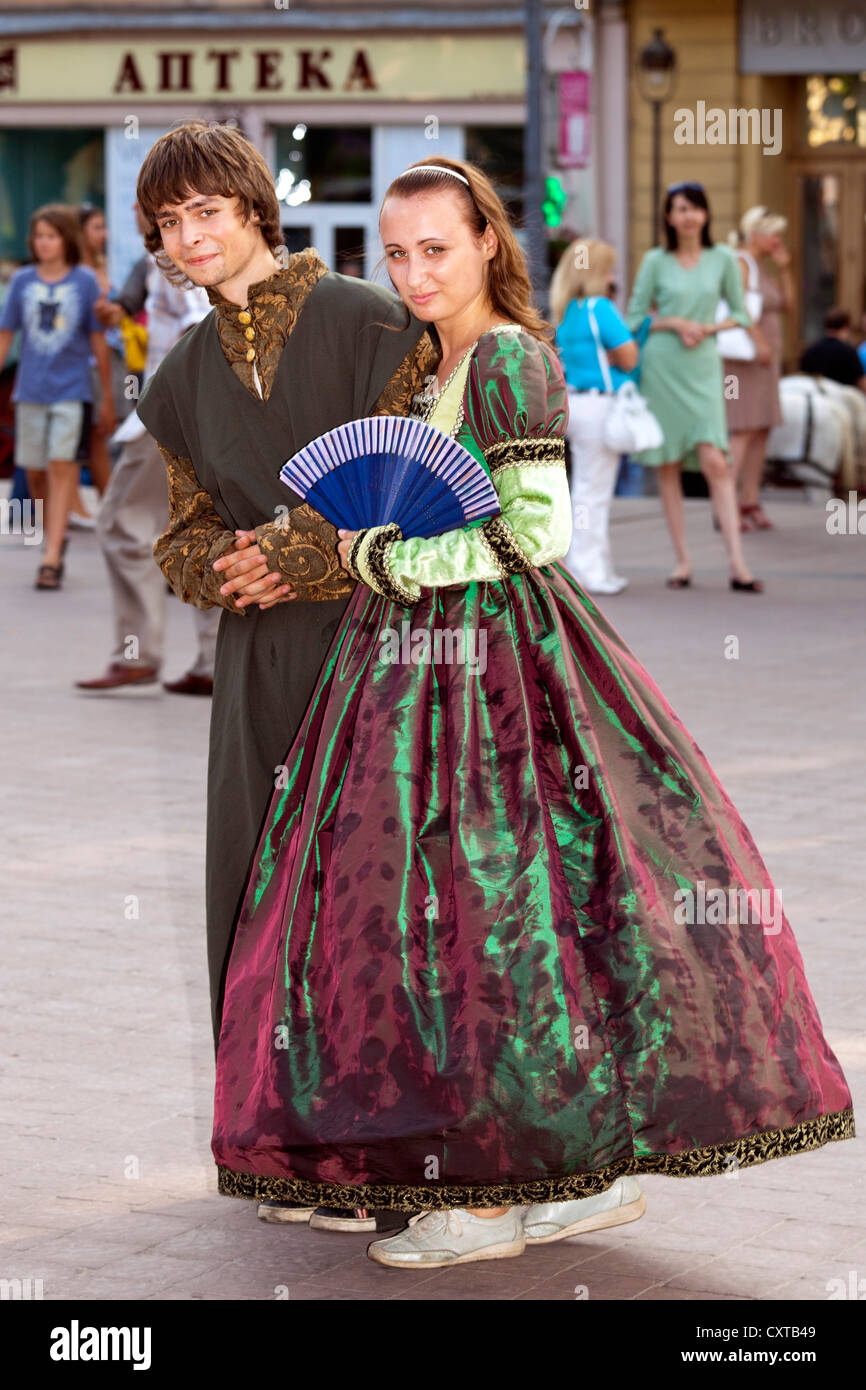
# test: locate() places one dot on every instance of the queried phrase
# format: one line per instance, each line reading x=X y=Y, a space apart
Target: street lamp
x=656 y=78
x=536 y=237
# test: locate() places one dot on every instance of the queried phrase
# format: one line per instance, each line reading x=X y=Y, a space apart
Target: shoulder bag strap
x=604 y=365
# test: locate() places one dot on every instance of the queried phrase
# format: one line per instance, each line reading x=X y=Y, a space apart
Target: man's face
x=206 y=238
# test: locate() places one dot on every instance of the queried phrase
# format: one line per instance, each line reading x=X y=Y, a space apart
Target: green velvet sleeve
x=515 y=413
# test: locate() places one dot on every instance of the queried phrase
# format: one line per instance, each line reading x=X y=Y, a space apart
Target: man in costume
x=289 y=351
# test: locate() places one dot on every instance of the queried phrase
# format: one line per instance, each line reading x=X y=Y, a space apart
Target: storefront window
x=836 y=110
x=45 y=166
x=498 y=150
x=323 y=164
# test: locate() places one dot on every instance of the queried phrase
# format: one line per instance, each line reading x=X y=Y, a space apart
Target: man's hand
x=248 y=577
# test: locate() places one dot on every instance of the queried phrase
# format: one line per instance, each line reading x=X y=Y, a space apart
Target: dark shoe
x=343 y=1219
x=752 y=518
x=190 y=685
x=280 y=1212
x=120 y=674
x=747 y=586
x=679 y=581
x=394 y=1220
x=49 y=577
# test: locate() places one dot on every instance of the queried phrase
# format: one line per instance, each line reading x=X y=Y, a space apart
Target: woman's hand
x=344 y=546
x=247 y=575
x=763 y=351
x=691 y=332
x=780 y=254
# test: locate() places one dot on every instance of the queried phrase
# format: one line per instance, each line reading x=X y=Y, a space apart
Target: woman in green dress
x=468 y=977
x=681 y=371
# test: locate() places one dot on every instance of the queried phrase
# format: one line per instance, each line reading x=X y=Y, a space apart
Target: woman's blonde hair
x=508 y=285
x=583 y=270
x=759 y=219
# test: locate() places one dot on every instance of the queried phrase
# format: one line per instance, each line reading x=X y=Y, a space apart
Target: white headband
x=438 y=168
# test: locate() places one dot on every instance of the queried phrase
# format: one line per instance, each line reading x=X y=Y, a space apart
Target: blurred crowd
x=687 y=381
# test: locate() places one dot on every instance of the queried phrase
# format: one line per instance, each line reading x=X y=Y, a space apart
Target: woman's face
x=48 y=244
x=767 y=243
x=685 y=218
x=95 y=233
x=437 y=265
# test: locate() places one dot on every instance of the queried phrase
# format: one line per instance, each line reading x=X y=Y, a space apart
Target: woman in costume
x=507 y=943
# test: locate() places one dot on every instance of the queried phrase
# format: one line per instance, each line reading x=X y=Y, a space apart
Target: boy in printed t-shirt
x=52 y=303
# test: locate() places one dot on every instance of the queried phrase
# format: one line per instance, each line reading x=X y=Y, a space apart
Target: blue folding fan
x=389 y=468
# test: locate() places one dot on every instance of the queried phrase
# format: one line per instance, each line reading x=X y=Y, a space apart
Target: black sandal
x=49 y=577
x=679 y=581
x=747 y=586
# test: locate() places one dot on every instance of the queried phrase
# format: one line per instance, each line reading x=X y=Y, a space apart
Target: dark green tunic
x=347 y=343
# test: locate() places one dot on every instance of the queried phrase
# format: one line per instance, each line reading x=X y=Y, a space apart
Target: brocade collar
x=257 y=332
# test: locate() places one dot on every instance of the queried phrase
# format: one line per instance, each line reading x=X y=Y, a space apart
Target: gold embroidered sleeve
x=302 y=545
x=196 y=536
x=408 y=379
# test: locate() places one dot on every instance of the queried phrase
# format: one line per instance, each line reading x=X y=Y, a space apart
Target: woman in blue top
x=581 y=308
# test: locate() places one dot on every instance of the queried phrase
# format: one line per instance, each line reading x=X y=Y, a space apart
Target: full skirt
x=506 y=937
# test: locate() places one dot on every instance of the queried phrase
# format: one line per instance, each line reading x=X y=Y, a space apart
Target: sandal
x=49 y=577
x=679 y=581
x=752 y=518
x=747 y=586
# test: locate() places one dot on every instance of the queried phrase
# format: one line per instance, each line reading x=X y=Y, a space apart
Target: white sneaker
x=439 y=1239
x=548 y=1221
x=279 y=1212
x=613 y=585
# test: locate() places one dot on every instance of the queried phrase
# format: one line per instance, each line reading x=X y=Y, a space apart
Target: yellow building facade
x=790 y=81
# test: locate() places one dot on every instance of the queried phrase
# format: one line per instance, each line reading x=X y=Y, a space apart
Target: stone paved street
x=108 y=1186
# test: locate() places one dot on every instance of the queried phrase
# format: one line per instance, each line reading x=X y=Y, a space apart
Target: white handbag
x=737 y=344
x=630 y=427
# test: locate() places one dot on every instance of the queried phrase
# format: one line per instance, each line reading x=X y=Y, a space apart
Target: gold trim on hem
x=711 y=1161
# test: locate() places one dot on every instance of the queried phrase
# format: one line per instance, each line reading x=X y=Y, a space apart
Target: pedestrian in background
x=756 y=408
x=52 y=302
x=135 y=509
x=834 y=355
x=94 y=444
x=683 y=284
x=597 y=351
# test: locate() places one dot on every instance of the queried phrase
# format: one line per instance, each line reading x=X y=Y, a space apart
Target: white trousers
x=593 y=478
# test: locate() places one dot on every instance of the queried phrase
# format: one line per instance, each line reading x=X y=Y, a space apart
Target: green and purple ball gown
x=506 y=937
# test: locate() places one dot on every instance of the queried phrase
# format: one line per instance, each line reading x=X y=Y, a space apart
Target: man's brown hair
x=65 y=221
x=204 y=157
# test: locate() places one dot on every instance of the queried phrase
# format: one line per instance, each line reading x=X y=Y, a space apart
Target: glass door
x=828 y=225
x=820 y=214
